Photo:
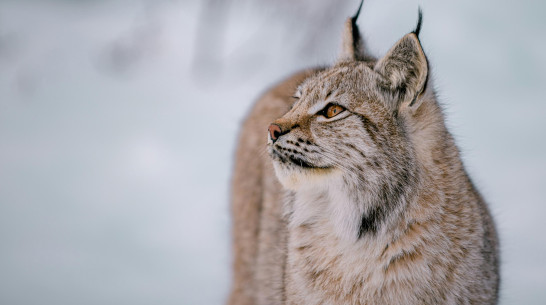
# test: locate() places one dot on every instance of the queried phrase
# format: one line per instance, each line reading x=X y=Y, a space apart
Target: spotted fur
x=374 y=205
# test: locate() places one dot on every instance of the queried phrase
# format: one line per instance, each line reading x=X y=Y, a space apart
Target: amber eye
x=331 y=110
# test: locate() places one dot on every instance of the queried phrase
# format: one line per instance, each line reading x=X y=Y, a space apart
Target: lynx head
x=349 y=123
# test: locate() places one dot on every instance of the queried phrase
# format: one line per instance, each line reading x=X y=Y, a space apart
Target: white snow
x=117 y=133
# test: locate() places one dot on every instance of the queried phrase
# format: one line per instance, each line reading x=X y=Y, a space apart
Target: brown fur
x=255 y=198
x=378 y=208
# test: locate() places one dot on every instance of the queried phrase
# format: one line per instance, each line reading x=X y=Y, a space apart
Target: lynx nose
x=274 y=132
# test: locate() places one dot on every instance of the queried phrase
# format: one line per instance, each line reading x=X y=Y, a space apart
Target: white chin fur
x=297 y=178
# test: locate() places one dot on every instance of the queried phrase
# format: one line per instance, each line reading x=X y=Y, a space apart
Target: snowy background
x=118 y=121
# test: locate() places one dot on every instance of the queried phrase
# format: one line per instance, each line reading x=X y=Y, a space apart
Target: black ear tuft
x=419 y=22
x=355 y=17
x=356 y=31
x=352 y=45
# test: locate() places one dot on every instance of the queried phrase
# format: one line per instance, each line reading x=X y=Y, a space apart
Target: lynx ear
x=405 y=68
x=351 y=46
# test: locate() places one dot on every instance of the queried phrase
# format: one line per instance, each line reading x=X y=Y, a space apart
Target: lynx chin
x=356 y=194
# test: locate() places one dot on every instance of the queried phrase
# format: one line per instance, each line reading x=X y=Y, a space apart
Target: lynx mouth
x=294 y=169
x=293 y=160
x=301 y=162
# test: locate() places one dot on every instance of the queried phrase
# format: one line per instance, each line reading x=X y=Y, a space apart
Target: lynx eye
x=331 y=110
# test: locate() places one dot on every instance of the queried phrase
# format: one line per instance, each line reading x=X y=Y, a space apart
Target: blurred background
x=118 y=122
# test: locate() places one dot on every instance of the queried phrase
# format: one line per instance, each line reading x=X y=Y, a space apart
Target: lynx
x=362 y=197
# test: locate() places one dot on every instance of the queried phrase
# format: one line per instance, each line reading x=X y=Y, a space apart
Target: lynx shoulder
x=362 y=197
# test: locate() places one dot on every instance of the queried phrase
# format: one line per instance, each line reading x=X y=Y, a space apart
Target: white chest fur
x=331 y=207
x=326 y=257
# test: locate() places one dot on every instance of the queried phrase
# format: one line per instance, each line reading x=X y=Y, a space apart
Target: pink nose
x=274 y=132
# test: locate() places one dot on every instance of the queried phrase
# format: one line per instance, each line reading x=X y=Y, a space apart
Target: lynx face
x=347 y=134
x=339 y=125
